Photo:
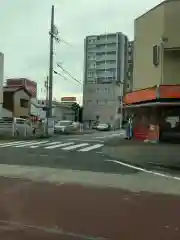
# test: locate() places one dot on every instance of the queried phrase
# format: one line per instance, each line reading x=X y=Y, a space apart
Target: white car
x=103 y=127
x=65 y=127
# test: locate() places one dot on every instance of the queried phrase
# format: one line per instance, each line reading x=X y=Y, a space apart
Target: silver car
x=65 y=127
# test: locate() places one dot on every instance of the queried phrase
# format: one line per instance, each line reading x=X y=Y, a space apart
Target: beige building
x=157 y=46
x=17 y=101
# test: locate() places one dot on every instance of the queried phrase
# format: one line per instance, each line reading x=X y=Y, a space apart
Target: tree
x=75 y=107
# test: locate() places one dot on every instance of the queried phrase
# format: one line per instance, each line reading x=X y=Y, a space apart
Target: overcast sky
x=24 y=40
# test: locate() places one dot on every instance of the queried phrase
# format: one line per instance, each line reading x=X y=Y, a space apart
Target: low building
x=154 y=102
x=60 y=111
x=17 y=101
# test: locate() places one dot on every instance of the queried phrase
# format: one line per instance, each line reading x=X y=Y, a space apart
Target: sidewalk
x=44 y=211
x=140 y=153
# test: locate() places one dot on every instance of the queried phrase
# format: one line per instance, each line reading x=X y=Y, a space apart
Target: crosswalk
x=50 y=145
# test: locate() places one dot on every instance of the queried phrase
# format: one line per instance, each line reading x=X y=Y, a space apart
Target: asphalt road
x=65 y=151
x=88 y=197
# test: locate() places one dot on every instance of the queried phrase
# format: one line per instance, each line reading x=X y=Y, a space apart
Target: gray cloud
x=24 y=39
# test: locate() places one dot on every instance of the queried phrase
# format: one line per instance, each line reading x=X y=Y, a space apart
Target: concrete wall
x=158 y=27
x=101 y=100
x=148 y=30
x=171 y=68
x=171 y=23
x=63 y=113
x=6 y=113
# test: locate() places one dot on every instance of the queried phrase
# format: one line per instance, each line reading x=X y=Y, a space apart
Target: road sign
x=68 y=99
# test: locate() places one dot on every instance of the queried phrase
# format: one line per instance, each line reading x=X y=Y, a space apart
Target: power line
x=59 y=40
x=58 y=73
x=66 y=71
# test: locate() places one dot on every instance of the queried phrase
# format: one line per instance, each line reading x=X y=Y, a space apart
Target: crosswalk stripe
x=49 y=143
x=76 y=146
x=59 y=145
x=90 y=148
x=30 y=144
x=12 y=144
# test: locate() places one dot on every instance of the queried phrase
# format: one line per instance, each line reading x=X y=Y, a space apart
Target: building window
x=156 y=53
x=24 y=103
x=90 y=74
x=106 y=90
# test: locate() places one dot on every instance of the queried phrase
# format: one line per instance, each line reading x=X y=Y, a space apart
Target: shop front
x=155 y=113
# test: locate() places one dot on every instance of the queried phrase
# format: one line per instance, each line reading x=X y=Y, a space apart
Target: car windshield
x=64 y=123
x=103 y=125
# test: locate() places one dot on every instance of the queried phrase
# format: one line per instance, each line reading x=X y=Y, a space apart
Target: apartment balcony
x=106 y=58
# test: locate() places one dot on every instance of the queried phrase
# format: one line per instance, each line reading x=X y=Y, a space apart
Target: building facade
x=157 y=46
x=105 y=69
x=60 y=111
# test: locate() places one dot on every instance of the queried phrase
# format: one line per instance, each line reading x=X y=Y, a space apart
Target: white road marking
x=100 y=137
x=59 y=145
x=30 y=144
x=12 y=144
x=1 y=144
x=49 y=143
x=91 y=148
x=85 y=140
x=76 y=146
x=144 y=170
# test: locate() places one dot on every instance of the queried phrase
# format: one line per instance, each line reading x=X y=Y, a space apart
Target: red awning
x=153 y=93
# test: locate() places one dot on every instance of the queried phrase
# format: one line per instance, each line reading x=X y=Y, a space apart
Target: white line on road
x=100 y=137
x=144 y=170
x=76 y=146
x=30 y=144
x=59 y=145
x=49 y=143
x=85 y=140
x=91 y=148
x=12 y=143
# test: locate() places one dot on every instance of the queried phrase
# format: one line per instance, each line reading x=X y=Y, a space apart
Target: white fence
x=19 y=127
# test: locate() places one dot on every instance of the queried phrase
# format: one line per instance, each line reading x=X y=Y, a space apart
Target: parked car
x=94 y=125
x=65 y=126
x=103 y=127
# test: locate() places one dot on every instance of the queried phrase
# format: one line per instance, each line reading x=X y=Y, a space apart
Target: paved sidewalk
x=43 y=211
x=135 y=182
x=140 y=153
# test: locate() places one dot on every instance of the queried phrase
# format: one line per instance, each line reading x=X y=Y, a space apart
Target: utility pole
x=51 y=63
x=47 y=104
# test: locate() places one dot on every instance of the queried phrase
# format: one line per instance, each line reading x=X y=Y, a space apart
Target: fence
x=19 y=127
